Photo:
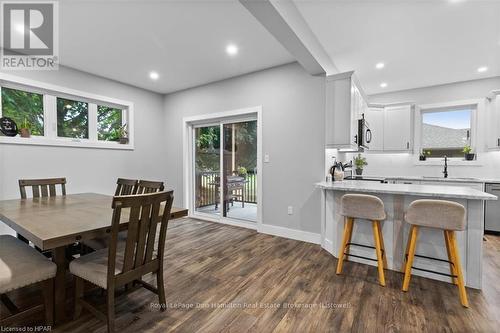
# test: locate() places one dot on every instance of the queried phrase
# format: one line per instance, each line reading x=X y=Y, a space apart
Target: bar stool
x=438 y=214
x=366 y=207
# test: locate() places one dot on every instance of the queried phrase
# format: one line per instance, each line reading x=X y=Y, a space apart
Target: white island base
x=430 y=242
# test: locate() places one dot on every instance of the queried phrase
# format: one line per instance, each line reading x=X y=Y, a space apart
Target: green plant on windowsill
x=424 y=154
x=123 y=134
x=360 y=162
x=242 y=171
x=25 y=129
x=468 y=154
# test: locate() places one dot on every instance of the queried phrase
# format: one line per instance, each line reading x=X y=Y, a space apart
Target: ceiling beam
x=284 y=21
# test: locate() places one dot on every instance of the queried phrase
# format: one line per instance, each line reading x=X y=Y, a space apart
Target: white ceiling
x=422 y=43
x=184 y=41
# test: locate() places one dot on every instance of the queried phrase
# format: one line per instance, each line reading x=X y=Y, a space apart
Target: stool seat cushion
x=362 y=206
x=22 y=265
x=439 y=214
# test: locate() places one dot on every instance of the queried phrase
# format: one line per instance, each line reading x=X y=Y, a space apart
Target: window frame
x=476 y=107
x=50 y=94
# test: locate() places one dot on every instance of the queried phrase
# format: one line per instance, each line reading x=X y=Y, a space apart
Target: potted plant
x=360 y=162
x=424 y=154
x=242 y=171
x=123 y=134
x=25 y=129
x=469 y=156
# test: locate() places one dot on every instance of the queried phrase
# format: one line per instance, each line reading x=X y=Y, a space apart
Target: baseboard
x=304 y=236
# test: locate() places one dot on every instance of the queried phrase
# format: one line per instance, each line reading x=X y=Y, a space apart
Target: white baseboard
x=328 y=246
x=304 y=236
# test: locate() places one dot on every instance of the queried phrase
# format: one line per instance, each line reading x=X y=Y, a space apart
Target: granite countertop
x=442 y=179
x=432 y=191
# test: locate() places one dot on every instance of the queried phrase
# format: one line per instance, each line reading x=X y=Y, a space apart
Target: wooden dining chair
x=124 y=263
x=126 y=186
x=40 y=188
x=146 y=186
x=21 y=266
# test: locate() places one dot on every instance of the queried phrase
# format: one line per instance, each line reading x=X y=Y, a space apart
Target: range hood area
x=346 y=127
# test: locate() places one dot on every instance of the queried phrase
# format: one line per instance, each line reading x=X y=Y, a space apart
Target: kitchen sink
x=449 y=178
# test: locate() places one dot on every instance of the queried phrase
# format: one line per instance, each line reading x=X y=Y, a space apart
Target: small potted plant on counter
x=123 y=134
x=423 y=155
x=360 y=163
x=468 y=154
x=242 y=171
x=25 y=129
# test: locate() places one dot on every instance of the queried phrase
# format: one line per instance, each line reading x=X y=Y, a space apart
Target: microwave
x=364 y=136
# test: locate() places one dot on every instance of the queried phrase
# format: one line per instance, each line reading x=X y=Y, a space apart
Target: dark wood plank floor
x=227 y=279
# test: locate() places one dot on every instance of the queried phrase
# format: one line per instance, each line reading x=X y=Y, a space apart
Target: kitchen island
x=397 y=198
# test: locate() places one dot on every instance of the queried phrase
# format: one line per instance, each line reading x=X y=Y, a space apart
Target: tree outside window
x=109 y=121
x=72 y=119
x=21 y=105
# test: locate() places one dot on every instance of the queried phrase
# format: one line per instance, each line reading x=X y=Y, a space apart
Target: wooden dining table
x=54 y=223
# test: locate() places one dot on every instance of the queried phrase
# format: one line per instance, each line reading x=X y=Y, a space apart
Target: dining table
x=56 y=223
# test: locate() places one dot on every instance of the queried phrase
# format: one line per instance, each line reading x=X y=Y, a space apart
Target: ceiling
x=184 y=41
x=422 y=43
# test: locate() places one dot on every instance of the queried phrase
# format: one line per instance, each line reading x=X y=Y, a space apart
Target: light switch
x=266 y=158
x=290 y=210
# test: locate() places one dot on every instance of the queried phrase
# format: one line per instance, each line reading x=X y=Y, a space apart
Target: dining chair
x=126 y=186
x=41 y=188
x=20 y=266
x=147 y=186
x=123 y=263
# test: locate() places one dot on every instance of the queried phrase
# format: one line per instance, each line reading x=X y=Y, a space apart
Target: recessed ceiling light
x=154 y=75
x=232 y=49
x=482 y=69
x=380 y=65
x=383 y=85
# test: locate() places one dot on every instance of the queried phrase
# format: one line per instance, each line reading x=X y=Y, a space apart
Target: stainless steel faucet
x=445 y=171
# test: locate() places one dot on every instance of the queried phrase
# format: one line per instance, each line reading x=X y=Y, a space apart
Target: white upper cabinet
x=345 y=104
x=375 y=118
x=493 y=107
x=398 y=128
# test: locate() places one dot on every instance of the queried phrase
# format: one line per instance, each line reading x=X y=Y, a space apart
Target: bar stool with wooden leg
x=365 y=207
x=438 y=214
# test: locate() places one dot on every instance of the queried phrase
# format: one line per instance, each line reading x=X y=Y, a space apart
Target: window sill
x=451 y=162
x=62 y=142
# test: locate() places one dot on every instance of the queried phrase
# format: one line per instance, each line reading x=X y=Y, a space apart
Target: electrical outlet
x=290 y=210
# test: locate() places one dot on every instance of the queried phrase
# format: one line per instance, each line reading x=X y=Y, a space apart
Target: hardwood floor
x=226 y=279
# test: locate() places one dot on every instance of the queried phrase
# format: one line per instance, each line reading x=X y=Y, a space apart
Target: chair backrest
x=42 y=187
x=146 y=186
x=145 y=213
x=439 y=214
x=126 y=186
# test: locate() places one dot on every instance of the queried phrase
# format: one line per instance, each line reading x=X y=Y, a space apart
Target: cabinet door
x=398 y=129
x=375 y=119
x=493 y=113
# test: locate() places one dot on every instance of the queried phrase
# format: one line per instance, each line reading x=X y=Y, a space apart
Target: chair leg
x=450 y=257
x=110 y=304
x=403 y=266
x=348 y=247
x=458 y=268
x=411 y=254
x=161 y=289
x=48 y=300
x=384 y=256
x=378 y=250
x=79 y=285
x=345 y=237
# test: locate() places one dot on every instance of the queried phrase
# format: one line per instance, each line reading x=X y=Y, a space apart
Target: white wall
x=86 y=169
x=404 y=164
x=293 y=135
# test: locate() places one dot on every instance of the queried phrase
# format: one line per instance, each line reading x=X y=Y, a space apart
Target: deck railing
x=206 y=194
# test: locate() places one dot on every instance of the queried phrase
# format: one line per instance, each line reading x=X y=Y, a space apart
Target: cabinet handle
x=407 y=145
x=498 y=142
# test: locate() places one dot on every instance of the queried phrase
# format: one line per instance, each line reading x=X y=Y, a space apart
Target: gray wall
x=293 y=136
x=90 y=170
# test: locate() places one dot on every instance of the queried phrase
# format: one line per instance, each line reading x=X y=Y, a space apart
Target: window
x=446 y=132
x=72 y=119
x=23 y=107
x=60 y=116
x=109 y=123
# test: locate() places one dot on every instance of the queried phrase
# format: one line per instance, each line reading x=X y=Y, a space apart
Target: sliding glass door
x=225 y=169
